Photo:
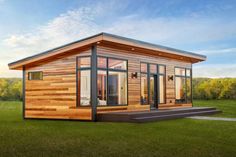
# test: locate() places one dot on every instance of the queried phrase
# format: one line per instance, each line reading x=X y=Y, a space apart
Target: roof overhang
x=112 y=39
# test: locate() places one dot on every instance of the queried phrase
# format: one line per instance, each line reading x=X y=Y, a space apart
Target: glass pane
x=84 y=87
x=143 y=67
x=35 y=75
x=189 y=92
x=153 y=68
x=180 y=89
x=102 y=62
x=180 y=71
x=84 y=62
x=117 y=64
x=162 y=89
x=144 y=90
x=117 y=88
x=152 y=88
x=188 y=72
x=102 y=87
x=161 y=69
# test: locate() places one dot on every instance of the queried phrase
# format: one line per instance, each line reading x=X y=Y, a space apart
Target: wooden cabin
x=105 y=73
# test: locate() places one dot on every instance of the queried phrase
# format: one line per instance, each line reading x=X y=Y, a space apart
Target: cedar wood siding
x=54 y=97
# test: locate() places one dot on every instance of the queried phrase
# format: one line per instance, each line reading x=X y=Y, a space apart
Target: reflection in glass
x=152 y=91
x=161 y=89
x=117 y=64
x=144 y=90
x=84 y=62
x=180 y=71
x=144 y=67
x=188 y=72
x=117 y=88
x=102 y=62
x=84 y=87
x=101 y=86
x=189 y=90
x=161 y=69
x=180 y=86
x=153 y=68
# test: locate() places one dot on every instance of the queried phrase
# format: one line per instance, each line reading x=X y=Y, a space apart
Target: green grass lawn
x=178 y=138
x=228 y=107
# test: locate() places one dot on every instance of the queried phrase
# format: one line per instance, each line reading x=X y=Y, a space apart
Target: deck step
x=173 y=116
x=168 y=112
x=155 y=115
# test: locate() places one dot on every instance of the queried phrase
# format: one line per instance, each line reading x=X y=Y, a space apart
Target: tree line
x=203 y=88
x=10 y=89
x=219 y=88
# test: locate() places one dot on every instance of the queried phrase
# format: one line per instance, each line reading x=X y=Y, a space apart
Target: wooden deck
x=155 y=115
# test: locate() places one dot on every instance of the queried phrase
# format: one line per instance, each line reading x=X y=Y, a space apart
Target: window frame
x=107 y=69
x=185 y=77
x=148 y=73
x=77 y=79
x=35 y=72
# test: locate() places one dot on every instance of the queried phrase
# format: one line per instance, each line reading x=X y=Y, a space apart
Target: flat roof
x=103 y=37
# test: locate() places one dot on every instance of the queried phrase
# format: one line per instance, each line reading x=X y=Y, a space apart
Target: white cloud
x=214 y=70
x=84 y=21
x=218 y=51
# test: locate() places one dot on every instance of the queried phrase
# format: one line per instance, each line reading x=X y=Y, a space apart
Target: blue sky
x=203 y=26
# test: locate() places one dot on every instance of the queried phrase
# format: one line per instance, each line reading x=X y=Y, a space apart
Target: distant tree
x=221 y=88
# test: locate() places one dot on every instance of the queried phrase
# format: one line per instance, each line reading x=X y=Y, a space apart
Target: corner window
x=35 y=75
x=111 y=81
x=183 y=91
x=84 y=80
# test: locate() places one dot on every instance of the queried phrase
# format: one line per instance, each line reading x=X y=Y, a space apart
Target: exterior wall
x=134 y=87
x=55 y=95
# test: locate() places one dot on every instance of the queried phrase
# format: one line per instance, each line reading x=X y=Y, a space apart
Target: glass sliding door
x=153 y=101
x=152 y=84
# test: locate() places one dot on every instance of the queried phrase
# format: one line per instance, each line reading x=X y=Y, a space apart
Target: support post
x=94 y=82
x=23 y=92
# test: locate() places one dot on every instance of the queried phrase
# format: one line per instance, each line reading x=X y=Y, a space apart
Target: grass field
x=178 y=138
x=227 y=106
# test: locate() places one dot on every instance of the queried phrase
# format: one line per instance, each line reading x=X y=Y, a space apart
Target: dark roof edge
x=154 y=45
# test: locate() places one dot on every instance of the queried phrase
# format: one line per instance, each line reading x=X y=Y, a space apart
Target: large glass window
x=183 y=91
x=102 y=87
x=84 y=81
x=144 y=89
x=162 y=83
x=117 y=88
x=112 y=81
x=84 y=87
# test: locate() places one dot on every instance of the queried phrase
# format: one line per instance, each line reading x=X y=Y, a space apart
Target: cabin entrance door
x=153 y=99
